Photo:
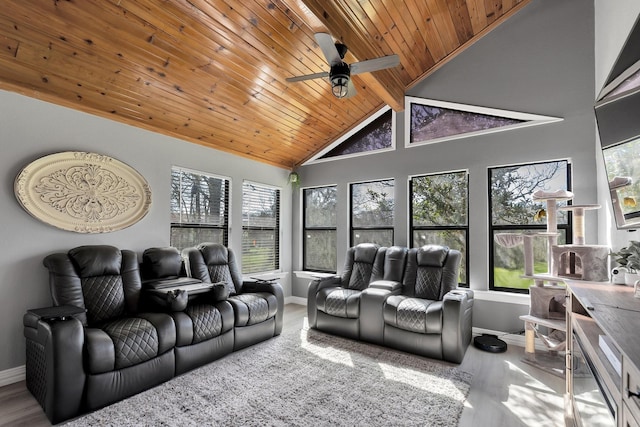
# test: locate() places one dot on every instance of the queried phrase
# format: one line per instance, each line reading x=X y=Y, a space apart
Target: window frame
x=567 y=228
x=527 y=119
x=465 y=228
x=317 y=158
x=277 y=229
x=369 y=228
x=324 y=228
x=225 y=226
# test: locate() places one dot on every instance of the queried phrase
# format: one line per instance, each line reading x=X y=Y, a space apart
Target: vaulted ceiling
x=213 y=72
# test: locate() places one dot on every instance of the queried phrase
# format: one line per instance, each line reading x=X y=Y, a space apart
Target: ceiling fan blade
x=375 y=64
x=325 y=41
x=351 y=89
x=324 y=74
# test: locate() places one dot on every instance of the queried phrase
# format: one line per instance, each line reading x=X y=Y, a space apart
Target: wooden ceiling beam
x=344 y=24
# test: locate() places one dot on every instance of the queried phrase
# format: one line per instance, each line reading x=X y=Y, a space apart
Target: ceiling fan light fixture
x=339 y=86
x=339 y=78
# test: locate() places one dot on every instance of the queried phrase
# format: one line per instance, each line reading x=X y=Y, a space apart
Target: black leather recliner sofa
x=205 y=327
x=410 y=301
x=257 y=305
x=96 y=346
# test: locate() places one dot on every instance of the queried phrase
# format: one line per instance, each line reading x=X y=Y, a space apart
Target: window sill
x=507 y=297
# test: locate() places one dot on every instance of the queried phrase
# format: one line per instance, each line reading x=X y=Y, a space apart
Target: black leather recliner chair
x=94 y=347
x=204 y=328
x=258 y=306
x=430 y=316
x=397 y=297
x=333 y=304
x=373 y=298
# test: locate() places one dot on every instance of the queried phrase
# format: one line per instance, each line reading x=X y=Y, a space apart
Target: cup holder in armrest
x=61 y=312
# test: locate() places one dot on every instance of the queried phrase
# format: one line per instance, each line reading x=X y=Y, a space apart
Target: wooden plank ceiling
x=213 y=71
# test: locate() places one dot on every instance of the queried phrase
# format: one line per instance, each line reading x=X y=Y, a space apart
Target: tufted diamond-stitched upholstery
x=106 y=352
x=414 y=314
x=37 y=375
x=411 y=315
x=220 y=273
x=428 y=281
x=334 y=302
x=419 y=309
x=430 y=316
x=135 y=340
x=256 y=304
x=103 y=297
x=337 y=303
x=363 y=264
x=360 y=275
x=204 y=320
x=207 y=321
x=411 y=301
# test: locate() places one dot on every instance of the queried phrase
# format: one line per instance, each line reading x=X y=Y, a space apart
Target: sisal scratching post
x=529 y=340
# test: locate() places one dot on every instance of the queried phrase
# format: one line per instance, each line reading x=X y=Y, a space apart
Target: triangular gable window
x=372 y=136
x=429 y=121
x=624 y=76
x=628 y=82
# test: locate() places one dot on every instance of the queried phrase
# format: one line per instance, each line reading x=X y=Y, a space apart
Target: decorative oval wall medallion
x=83 y=192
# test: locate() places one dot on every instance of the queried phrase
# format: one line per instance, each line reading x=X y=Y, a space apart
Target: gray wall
x=30 y=129
x=540 y=61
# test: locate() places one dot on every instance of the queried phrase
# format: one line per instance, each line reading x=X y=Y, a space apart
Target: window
x=319 y=223
x=428 y=121
x=439 y=213
x=372 y=212
x=373 y=135
x=199 y=208
x=260 y=228
x=513 y=210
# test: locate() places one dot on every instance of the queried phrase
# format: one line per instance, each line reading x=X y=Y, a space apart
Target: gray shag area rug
x=301 y=378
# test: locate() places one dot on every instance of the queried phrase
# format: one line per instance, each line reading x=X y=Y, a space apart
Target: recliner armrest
x=325 y=282
x=314 y=287
x=461 y=292
x=259 y=286
x=457 y=313
x=457 y=300
x=372 y=301
x=49 y=314
x=172 y=300
x=388 y=285
x=54 y=366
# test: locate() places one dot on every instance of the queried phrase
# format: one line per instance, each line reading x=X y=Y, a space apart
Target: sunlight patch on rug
x=301 y=378
x=331 y=354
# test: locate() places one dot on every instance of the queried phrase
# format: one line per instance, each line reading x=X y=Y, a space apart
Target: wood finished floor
x=505 y=392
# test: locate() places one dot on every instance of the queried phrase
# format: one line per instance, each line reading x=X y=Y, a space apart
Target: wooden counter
x=598 y=309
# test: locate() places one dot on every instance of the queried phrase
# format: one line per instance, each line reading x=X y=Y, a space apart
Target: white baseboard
x=12 y=375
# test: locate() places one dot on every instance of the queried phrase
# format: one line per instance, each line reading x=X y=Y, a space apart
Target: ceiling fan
x=340 y=73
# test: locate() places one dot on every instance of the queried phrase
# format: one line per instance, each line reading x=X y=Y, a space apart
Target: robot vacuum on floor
x=490 y=343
